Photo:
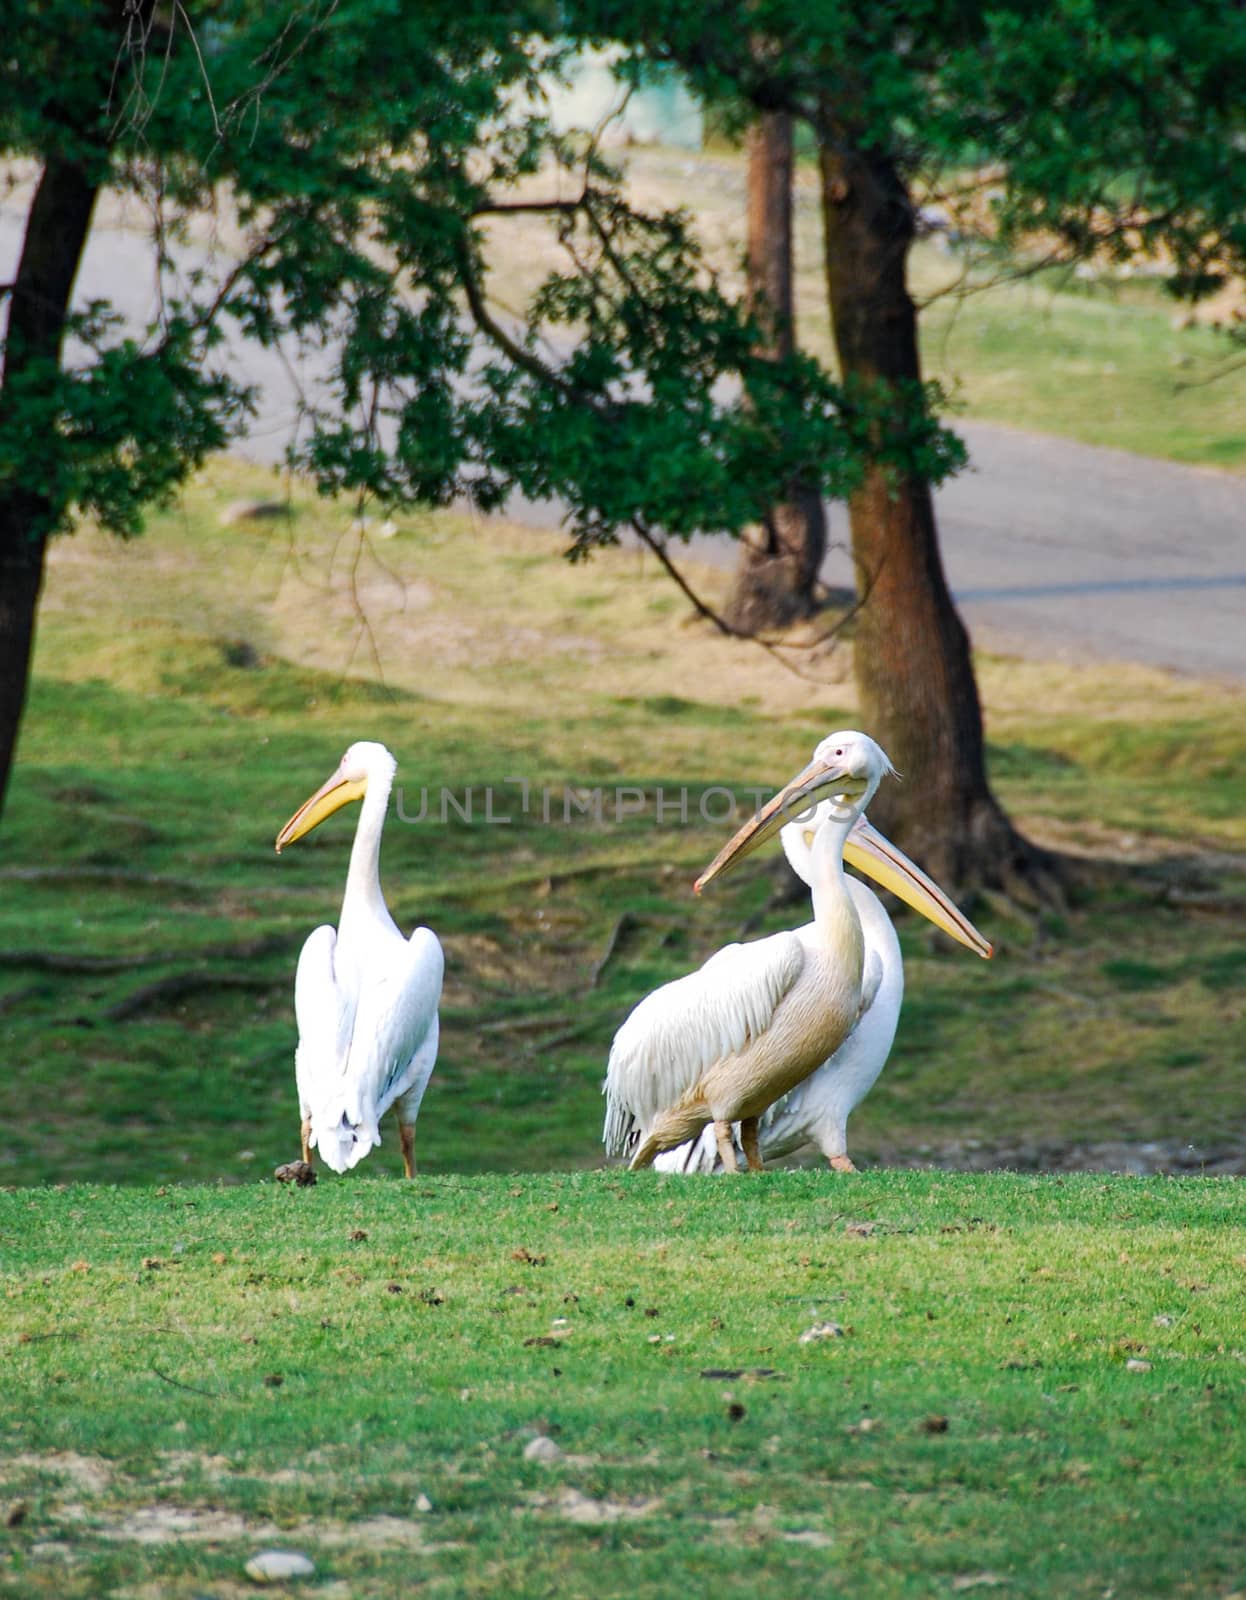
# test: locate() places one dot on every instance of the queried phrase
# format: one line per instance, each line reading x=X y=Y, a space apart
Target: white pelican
x=722 y=1044
x=365 y=998
x=816 y=1111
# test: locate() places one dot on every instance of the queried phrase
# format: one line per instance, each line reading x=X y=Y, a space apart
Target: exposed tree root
x=179 y=984
x=62 y=961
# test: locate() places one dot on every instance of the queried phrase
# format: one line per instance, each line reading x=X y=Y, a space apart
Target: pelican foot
x=842 y=1163
x=748 y=1141
x=406 y=1137
x=726 y=1146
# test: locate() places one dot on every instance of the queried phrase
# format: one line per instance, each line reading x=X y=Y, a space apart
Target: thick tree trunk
x=56 y=232
x=777 y=575
x=913 y=670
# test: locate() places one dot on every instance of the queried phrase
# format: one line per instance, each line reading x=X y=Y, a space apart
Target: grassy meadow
x=193 y=688
x=904 y=1383
x=908 y=1384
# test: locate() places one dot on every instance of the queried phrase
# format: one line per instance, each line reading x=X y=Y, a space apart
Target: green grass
x=191 y=691
x=1105 y=369
x=257 y=1367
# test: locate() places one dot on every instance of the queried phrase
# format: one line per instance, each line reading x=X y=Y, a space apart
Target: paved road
x=1051 y=548
x=1060 y=549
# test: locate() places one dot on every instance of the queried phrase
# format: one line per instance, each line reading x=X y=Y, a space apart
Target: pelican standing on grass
x=816 y=1111
x=365 y=998
x=724 y=1043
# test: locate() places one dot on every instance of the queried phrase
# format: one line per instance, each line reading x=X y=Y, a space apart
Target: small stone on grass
x=821 y=1330
x=543 y=1449
x=278 y=1566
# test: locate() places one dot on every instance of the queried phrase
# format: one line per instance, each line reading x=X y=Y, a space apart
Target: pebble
x=277 y=1566
x=1134 y=1365
x=542 y=1448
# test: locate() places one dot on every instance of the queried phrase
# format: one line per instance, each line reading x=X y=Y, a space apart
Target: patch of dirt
x=213 y=1589
x=573 y=1506
x=175 y=1524
x=91 y=1474
x=182 y=1462
x=167 y=1524
x=372 y=1531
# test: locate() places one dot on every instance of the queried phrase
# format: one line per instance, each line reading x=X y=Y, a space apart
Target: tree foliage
x=1090 y=124
x=351 y=152
x=358 y=145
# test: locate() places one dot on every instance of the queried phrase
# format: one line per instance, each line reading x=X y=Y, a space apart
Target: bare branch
x=511 y=348
x=1223 y=371
x=180 y=10
x=501 y=208
x=209 y=1394
x=773 y=648
x=701 y=607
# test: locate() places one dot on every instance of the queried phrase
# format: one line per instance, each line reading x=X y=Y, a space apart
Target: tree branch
x=772 y=647
x=500 y=208
x=511 y=348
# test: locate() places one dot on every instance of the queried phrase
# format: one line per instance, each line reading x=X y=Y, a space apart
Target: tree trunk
x=777 y=574
x=911 y=657
x=56 y=232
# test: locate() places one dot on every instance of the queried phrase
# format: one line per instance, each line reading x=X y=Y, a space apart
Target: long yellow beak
x=330 y=797
x=803 y=792
x=875 y=855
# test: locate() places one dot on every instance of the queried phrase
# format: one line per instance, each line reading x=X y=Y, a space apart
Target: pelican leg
x=305 y=1135
x=406 y=1137
x=842 y=1163
x=726 y=1146
x=748 y=1139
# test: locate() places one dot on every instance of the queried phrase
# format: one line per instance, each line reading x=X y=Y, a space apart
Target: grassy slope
x=195 y=1373
x=189 y=695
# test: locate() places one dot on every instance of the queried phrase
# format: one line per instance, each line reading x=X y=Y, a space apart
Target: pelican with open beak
x=724 y=1043
x=365 y=998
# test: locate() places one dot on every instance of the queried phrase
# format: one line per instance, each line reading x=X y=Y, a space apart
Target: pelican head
x=364 y=760
x=846 y=771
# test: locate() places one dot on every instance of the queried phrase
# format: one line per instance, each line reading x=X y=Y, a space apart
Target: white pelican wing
x=393 y=1043
x=325 y=1014
x=396 y=1015
x=679 y=1031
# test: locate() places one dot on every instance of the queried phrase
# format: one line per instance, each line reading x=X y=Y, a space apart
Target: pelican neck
x=827 y=881
x=363 y=878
